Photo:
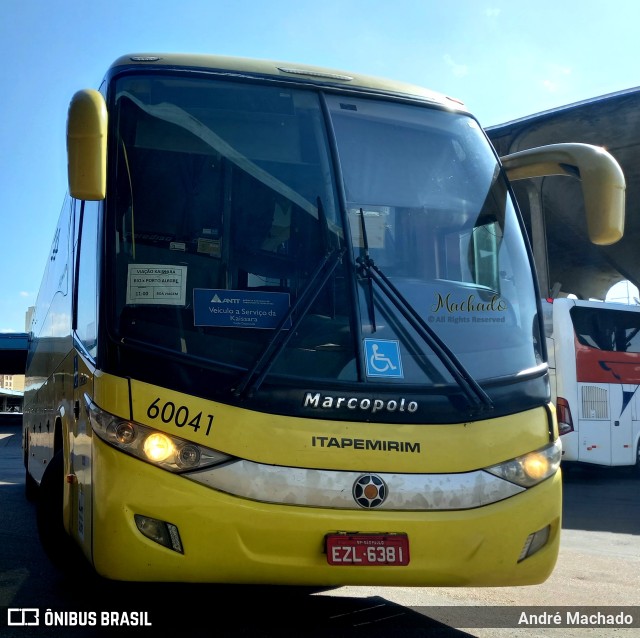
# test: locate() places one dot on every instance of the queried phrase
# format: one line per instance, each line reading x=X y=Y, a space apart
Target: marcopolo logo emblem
x=369 y=491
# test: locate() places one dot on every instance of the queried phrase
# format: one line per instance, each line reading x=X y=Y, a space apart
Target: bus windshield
x=241 y=213
x=607 y=329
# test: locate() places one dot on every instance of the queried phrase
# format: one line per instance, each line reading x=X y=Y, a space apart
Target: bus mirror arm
x=602 y=179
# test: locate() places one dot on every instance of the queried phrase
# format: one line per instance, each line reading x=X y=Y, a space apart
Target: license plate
x=367 y=549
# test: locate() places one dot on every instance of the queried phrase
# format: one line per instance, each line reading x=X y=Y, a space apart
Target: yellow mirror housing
x=603 y=183
x=87 y=145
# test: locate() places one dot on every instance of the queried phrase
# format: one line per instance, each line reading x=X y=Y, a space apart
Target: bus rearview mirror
x=87 y=145
x=603 y=183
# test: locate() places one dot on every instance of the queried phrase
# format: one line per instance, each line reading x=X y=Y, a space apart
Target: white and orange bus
x=594 y=359
x=289 y=332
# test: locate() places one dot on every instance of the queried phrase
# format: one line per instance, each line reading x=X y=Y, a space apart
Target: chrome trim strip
x=333 y=489
x=326 y=75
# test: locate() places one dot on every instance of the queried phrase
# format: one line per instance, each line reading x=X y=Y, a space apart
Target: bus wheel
x=30 y=487
x=637 y=467
x=57 y=544
x=30 y=484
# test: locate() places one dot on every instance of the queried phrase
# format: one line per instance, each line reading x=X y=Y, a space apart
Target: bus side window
x=87 y=284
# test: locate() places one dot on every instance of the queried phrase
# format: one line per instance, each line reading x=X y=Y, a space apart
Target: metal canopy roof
x=569 y=259
x=13 y=352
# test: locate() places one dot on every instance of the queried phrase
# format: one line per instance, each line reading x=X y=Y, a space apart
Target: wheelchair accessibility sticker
x=383 y=358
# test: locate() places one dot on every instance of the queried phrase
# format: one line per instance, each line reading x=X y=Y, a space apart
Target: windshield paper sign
x=156 y=284
x=239 y=308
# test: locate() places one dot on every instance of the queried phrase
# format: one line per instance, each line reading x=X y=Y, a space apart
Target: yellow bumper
x=227 y=539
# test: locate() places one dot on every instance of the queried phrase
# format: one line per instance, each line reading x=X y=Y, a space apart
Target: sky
x=505 y=59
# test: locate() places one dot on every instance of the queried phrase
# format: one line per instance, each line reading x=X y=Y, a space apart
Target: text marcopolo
x=329 y=402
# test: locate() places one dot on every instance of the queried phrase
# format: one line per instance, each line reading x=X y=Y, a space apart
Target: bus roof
x=285 y=70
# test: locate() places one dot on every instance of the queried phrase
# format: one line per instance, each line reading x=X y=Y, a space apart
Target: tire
x=30 y=487
x=59 y=547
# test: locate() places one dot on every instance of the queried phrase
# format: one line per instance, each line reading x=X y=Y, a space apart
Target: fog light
x=535 y=542
x=160 y=532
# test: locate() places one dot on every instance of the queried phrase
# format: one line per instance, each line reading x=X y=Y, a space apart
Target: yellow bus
x=289 y=332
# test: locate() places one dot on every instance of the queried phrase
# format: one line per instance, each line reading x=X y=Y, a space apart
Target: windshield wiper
x=365 y=271
x=281 y=336
x=476 y=396
x=300 y=308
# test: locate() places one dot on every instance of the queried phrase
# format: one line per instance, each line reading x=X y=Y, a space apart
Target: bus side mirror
x=603 y=183
x=87 y=145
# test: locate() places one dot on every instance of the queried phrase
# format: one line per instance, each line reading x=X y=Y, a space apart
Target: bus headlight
x=124 y=432
x=158 y=447
x=164 y=450
x=532 y=468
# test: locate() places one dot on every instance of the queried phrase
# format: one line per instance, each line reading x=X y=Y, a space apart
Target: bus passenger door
x=80 y=457
x=86 y=320
x=623 y=412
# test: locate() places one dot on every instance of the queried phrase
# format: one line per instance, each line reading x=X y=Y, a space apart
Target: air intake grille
x=595 y=402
